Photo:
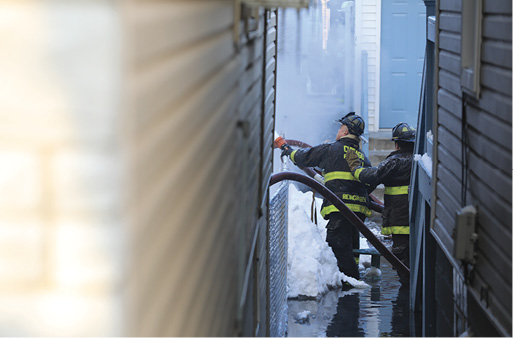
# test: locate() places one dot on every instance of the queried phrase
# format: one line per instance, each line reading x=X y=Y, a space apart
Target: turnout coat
x=394 y=172
x=337 y=175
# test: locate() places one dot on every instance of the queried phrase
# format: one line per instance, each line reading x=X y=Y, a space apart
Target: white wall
x=368 y=36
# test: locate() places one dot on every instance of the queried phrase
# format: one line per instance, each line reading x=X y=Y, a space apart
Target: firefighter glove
x=353 y=160
x=286 y=150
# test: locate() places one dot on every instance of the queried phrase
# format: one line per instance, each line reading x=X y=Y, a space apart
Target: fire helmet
x=403 y=132
x=354 y=123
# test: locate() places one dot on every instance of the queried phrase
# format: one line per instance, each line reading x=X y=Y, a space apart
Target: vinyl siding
x=199 y=133
x=367 y=24
x=489 y=151
x=136 y=154
x=60 y=169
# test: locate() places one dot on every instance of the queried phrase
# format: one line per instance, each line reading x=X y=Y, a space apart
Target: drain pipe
x=345 y=211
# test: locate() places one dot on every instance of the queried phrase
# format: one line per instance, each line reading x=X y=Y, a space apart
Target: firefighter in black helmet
x=394 y=172
x=341 y=234
x=354 y=123
x=402 y=132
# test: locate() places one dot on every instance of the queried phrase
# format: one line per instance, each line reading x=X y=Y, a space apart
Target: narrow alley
x=138 y=166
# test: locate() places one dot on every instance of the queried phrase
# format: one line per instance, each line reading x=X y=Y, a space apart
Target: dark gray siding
x=257 y=115
x=485 y=156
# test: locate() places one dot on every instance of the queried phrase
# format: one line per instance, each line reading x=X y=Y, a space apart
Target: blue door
x=403 y=39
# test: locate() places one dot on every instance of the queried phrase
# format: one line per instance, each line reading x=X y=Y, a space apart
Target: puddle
x=380 y=310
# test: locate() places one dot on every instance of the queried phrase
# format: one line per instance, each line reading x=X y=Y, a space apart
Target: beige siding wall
x=199 y=174
x=488 y=160
x=136 y=143
x=183 y=76
x=60 y=165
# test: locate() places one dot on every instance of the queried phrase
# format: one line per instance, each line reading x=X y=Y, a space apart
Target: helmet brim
x=407 y=140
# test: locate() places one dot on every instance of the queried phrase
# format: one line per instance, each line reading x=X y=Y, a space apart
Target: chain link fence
x=278 y=225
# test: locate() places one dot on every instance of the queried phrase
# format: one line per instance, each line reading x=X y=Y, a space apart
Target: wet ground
x=380 y=310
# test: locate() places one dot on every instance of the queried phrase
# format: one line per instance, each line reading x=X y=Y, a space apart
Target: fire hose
x=346 y=212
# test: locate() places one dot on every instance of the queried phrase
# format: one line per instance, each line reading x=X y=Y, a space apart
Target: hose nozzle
x=279 y=142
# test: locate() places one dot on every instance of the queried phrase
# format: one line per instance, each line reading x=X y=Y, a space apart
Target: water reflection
x=345 y=322
x=400 y=314
x=380 y=310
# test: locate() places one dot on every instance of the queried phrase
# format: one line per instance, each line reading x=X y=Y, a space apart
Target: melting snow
x=426 y=162
x=311 y=265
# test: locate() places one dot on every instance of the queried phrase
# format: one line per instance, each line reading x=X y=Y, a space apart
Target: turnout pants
x=401 y=248
x=343 y=237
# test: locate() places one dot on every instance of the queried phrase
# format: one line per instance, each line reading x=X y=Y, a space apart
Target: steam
x=315 y=58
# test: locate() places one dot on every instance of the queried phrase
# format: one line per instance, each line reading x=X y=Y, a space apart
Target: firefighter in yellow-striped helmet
x=403 y=132
x=394 y=173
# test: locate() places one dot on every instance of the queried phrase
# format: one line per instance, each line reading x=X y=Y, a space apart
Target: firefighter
x=394 y=172
x=341 y=235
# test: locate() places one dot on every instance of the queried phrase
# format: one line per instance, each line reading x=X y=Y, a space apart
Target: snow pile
x=311 y=265
x=376 y=231
x=303 y=317
x=372 y=272
x=429 y=136
x=426 y=162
